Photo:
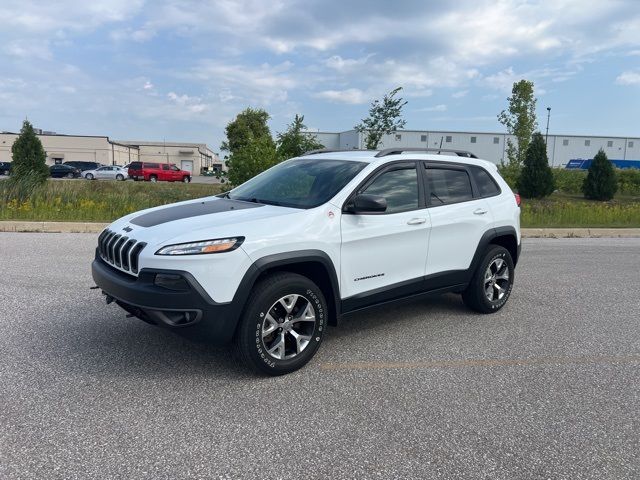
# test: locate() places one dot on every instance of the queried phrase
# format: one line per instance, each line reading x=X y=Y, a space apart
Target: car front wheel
x=186 y=179
x=283 y=325
x=119 y=177
x=492 y=281
x=89 y=176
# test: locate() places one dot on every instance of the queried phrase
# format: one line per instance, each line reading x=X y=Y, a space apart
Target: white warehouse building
x=491 y=146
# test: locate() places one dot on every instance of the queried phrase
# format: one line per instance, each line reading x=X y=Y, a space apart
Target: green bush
x=510 y=172
x=569 y=181
x=601 y=182
x=536 y=178
x=28 y=164
x=629 y=181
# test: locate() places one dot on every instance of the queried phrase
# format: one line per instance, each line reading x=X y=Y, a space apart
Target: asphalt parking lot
x=549 y=387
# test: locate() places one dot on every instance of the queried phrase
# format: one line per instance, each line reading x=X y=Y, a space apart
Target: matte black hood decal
x=178 y=212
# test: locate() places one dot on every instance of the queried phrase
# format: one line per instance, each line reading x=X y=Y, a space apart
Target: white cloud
x=436 y=108
x=147 y=85
x=460 y=94
x=351 y=96
x=628 y=78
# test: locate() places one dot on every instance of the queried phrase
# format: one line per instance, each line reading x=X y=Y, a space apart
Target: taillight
x=517 y=195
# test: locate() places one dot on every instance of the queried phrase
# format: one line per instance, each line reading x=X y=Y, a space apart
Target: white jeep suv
x=271 y=263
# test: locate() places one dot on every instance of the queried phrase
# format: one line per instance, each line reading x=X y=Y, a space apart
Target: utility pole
x=546 y=138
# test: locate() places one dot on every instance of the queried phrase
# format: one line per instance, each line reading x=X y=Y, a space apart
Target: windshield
x=303 y=183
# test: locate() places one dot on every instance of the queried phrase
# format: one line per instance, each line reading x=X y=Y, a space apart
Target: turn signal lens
x=202 y=247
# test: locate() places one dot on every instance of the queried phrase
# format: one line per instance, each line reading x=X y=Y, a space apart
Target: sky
x=180 y=70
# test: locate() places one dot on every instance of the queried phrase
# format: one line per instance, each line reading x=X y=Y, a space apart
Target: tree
x=295 y=141
x=29 y=157
x=384 y=118
x=520 y=120
x=255 y=157
x=601 y=182
x=536 y=178
x=248 y=125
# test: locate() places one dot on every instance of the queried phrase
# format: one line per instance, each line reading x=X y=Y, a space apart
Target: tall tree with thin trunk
x=384 y=118
x=520 y=120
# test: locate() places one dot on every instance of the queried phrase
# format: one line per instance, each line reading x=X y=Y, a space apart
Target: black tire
x=153 y=179
x=70 y=175
x=119 y=177
x=88 y=176
x=186 y=179
x=253 y=346
x=475 y=296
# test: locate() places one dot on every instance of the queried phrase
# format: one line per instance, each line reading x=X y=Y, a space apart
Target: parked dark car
x=64 y=171
x=5 y=168
x=83 y=165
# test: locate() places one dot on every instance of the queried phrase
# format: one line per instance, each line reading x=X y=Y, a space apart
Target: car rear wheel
x=283 y=325
x=69 y=175
x=153 y=179
x=119 y=177
x=89 y=176
x=492 y=281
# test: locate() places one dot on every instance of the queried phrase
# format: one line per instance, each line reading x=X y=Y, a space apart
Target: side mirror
x=365 y=203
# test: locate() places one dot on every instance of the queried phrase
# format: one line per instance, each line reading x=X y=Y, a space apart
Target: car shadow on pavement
x=106 y=343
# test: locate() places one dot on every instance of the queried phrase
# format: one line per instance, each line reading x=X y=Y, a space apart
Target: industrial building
x=492 y=146
x=194 y=157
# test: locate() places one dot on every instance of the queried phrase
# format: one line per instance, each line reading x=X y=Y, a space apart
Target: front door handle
x=417 y=221
x=479 y=211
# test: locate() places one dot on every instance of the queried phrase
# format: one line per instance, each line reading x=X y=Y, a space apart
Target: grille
x=120 y=251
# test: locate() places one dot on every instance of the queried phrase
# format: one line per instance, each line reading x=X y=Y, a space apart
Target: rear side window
x=448 y=186
x=487 y=186
x=399 y=187
x=151 y=165
x=135 y=165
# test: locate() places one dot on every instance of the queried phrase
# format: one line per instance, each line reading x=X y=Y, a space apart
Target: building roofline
x=491 y=133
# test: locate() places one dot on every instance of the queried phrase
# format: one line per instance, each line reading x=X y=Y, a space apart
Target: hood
x=195 y=220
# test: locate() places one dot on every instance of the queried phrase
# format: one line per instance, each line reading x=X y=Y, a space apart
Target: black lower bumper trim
x=190 y=312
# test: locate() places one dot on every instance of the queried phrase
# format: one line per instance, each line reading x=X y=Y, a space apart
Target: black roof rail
x=330 y=150
x=399 y=150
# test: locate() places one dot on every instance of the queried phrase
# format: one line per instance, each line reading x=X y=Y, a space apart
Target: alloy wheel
x=288 y=326
x=496 y=280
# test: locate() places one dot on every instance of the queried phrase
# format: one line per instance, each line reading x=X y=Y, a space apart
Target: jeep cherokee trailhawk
x=271 y=263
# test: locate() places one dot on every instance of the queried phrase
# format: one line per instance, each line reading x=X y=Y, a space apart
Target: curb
x=89 y=227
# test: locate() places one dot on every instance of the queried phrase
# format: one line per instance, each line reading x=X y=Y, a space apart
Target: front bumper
x=187 y=310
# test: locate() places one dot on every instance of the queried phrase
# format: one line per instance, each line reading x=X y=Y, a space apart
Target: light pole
x=546 y=138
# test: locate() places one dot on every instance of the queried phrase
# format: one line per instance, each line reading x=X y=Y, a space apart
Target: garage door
x=187 y=165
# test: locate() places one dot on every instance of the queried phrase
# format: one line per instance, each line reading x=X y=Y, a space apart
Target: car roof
x=370 y=156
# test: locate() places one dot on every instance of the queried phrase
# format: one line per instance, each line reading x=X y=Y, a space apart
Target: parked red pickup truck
x=158 y=172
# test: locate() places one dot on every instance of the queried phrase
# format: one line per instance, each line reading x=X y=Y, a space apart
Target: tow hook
x=109 y=298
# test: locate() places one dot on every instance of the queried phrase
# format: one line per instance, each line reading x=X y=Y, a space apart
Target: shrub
x=629 y=181
x=536 y=178
x=601 y=182
x=569 y=181
x=510 y=172
x=28 y=158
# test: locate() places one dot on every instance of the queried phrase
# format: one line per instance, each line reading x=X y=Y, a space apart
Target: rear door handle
x=416 y=221
x=479 y=211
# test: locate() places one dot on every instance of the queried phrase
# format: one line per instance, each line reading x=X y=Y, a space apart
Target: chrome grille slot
x=120 y=251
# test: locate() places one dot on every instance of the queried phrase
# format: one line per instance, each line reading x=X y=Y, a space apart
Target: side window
x=448 y=186
x=487 y=186
x=399 y=187
x=166 y=167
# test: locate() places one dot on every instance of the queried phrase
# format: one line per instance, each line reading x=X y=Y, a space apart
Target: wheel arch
x=504 y=236
x=313 y=264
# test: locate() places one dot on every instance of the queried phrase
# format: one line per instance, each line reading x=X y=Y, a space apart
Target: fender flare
x=280 y=260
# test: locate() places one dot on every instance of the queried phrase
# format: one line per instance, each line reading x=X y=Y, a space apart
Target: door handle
x=479 y=211
x=417 y=221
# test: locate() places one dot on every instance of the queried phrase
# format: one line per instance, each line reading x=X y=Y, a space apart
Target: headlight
x=205 y=246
